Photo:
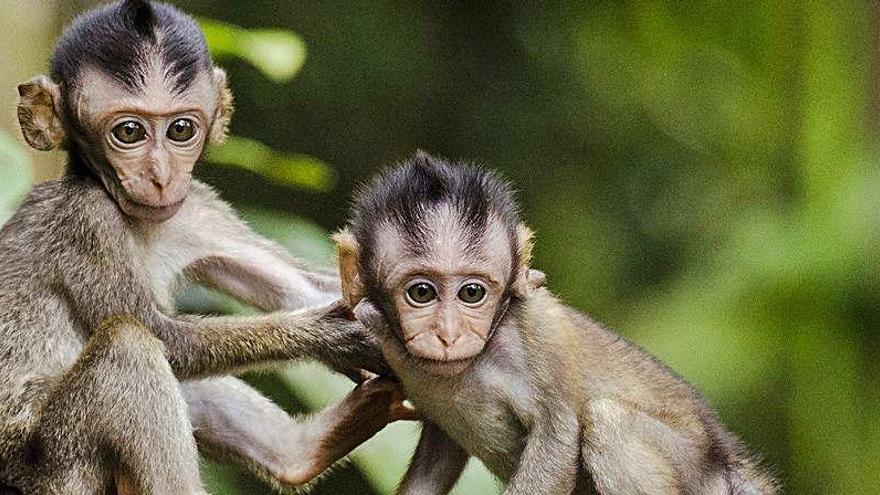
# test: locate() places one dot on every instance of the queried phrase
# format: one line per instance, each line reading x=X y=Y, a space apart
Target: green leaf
x=277 y=53
x=15 y=175
x=295 y=170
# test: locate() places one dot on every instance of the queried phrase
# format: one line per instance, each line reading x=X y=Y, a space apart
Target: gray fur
x=70 y=261
x=551 y=402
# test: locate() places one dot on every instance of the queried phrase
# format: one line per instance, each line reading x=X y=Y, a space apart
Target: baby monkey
x=549 y=400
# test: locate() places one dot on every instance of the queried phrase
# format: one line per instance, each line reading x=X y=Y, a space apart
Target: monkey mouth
x=442 y=367
x=158 y=213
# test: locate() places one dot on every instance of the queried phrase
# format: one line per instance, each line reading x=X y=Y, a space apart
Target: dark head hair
x=405 y=193
x=119 y=37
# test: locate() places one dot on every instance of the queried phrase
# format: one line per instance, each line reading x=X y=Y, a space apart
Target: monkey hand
x=375 y=403
x=342 y=427
x=535 y=279
x=358 y=350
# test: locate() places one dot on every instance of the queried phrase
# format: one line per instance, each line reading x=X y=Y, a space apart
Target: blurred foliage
x=702 y=176
x=15 y=175
x=285 y=169
x=277 y=53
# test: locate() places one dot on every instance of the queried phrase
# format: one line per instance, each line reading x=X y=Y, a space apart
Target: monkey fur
x=103 y=387
x=548 y=399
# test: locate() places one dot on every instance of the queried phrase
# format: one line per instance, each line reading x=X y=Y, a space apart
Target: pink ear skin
x=348 y=251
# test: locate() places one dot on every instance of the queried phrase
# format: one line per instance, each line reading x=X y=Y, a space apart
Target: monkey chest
x=482 y=419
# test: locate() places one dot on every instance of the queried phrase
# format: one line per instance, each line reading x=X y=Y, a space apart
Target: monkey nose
x=160 y=177
x=447 y=340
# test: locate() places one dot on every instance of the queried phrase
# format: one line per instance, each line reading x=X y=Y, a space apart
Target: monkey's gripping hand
x=339 y=429
x=358 y=348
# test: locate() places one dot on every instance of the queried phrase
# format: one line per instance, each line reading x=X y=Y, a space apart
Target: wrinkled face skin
x=446 y=299
x=143 y=143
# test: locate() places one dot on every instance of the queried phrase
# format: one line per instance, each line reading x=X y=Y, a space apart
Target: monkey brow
x=472 y=218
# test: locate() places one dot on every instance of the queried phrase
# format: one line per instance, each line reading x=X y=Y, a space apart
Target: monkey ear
x=348 y=251
x=225 y=108
x=525 y=239
x=39 y=113
x=527 y=280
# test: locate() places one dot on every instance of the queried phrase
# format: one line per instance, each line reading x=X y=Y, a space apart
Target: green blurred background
x=702 y=176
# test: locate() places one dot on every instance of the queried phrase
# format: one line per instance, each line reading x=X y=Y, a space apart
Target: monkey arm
x=549 y=462
x=265 y=277
x=231 y=420
x=204 y=346
x=236 y=261
x=436 y=465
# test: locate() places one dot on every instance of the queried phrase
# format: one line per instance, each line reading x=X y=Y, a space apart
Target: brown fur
x=103 y=386
x=553 y=403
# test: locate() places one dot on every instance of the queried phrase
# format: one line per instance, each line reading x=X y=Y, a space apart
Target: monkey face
x=447 y=316
x=437 y=250
x=144 y=143
x=448 y=295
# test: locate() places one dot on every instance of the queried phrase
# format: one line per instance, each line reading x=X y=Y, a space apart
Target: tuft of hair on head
x=404 y=193
x=140 y=14
x=120 y=38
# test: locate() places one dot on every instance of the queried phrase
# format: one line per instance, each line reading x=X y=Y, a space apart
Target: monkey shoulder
x=58 y=220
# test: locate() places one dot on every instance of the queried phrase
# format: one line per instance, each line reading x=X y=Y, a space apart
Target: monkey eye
x=181 y=130
x=472 y=293
x=129 y=132
x=421 y=294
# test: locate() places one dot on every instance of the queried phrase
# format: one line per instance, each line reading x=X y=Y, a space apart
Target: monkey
x=436 y=262
x=104 y=387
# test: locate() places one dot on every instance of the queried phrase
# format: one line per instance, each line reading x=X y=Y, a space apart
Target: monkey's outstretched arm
x=266 y=278
x=232 y=420
x=206 y=346
x=436 y=465
x=549 y=462
x=236 y=261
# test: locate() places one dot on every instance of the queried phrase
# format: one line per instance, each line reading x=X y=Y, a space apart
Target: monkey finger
x=340 y=310
x=537 y=279
x=368 y=314
x=364 y=375
x=376 y=385
x=403 y=410
x=355 y=375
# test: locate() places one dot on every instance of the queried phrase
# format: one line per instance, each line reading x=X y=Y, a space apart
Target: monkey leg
x=622 y=451
x=116 y=420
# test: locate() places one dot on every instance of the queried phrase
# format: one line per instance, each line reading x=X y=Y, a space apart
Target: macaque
x=103 y=387
x=500 y=369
